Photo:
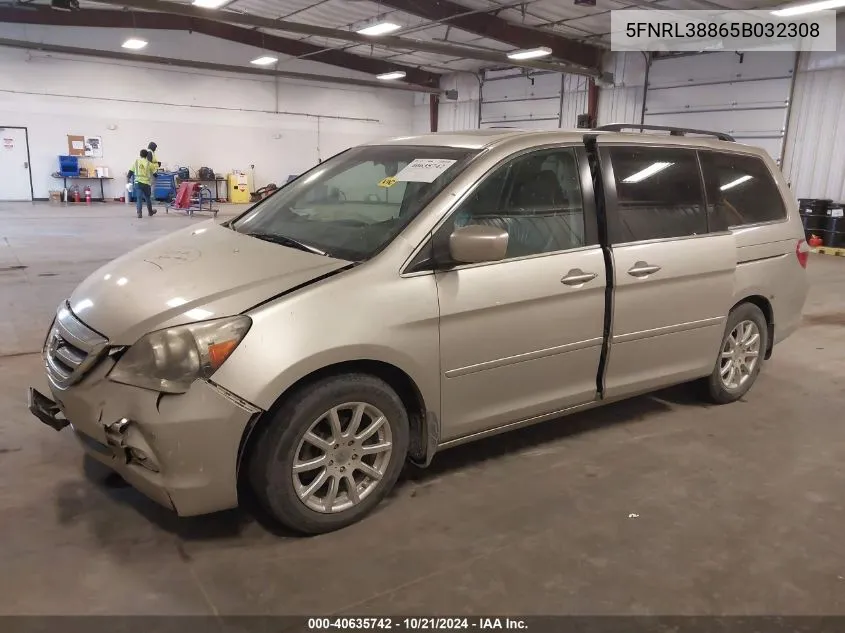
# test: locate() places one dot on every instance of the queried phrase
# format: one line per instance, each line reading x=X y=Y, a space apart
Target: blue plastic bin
x=69 y=166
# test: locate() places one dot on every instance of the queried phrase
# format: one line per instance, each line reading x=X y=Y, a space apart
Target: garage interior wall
x=814 y=161
x=744 y=94
x=198 y=118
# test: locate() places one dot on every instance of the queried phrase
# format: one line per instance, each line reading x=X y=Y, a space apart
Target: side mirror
x=478 y=243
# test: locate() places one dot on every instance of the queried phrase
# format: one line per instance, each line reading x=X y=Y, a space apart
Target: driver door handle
x=576 y=277
x=642 y=269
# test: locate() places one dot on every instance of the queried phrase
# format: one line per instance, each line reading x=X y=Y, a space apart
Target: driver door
x=522 y=337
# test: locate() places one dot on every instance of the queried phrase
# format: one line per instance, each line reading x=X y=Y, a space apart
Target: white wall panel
x=814 y=162
x=745 y=95
x=222 y=120
x=623 y=102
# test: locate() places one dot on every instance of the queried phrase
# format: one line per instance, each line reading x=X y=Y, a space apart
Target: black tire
x=714 y=388
x=270 y=465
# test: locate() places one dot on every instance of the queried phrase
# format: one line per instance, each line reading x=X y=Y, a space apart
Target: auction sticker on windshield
x=424 y=169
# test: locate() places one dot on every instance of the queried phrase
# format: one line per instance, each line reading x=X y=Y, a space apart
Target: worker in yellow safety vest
x=143 y=171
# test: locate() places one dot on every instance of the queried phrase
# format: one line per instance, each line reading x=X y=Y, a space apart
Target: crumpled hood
x=203 y=272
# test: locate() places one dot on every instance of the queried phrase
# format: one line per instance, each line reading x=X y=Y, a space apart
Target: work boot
x=140 y=215
x=153 y=212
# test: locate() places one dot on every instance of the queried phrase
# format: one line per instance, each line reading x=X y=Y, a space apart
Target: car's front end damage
x=180 y=449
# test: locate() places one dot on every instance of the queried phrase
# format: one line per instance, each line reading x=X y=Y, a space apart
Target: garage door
x=512 y=98
x=746 y=95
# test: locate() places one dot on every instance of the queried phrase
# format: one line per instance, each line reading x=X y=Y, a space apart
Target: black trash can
x=814 y=215
x=834 y=230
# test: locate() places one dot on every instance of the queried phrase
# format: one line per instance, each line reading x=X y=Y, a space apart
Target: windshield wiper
x=288 y=241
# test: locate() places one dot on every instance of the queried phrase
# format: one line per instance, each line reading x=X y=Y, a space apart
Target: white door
x=15 y=183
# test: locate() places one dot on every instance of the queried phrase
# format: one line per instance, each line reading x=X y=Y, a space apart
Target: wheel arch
x=766 y=308
x=424 y=425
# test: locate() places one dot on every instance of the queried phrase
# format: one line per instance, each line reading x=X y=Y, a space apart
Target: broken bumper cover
x=180 y=450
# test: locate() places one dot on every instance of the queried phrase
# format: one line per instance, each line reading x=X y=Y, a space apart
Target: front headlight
x=170 y=360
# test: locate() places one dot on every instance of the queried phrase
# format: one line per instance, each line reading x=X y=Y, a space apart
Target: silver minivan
x=412 y=295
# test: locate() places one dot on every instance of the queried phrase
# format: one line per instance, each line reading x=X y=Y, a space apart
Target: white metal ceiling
x=589 y=24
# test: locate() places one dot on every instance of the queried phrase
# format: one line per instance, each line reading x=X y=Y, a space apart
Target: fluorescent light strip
x=266 y=60
x=530 y=53
x=134 y=43
x=210 y=4
x=736 y=182
x=396 y=74
x=648 y=172
x=381 y=28
x=810 y=7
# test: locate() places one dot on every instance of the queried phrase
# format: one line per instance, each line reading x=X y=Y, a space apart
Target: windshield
x=355 y=203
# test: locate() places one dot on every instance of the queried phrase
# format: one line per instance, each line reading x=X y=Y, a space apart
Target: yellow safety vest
x=143 y=170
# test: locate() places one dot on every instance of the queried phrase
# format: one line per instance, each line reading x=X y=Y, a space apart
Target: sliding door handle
x=576 y=277
x=642 y=269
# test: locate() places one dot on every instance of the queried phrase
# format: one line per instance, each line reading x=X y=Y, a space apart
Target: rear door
x=673 y=272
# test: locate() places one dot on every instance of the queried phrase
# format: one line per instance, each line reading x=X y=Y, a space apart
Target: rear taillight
x=802 y=252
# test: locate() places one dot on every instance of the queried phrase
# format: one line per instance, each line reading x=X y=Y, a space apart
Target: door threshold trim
x=519 y=424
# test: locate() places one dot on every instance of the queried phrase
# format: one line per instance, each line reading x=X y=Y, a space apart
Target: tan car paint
x=488 y=346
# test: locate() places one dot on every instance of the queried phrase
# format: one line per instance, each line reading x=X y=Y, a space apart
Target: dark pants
x=143 y=191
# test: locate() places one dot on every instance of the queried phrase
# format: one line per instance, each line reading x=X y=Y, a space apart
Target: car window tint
x=740 y=190
x=536 y=198
x=658 y=193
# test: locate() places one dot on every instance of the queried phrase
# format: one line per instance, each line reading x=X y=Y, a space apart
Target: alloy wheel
x=342 y=457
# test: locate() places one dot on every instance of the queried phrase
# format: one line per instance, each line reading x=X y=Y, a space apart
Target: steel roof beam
x=188 y=63
x=387 y=41
x=109 y=18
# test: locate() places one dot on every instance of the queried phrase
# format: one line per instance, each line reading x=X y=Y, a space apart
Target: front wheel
x=740 y=356
x=330 y=453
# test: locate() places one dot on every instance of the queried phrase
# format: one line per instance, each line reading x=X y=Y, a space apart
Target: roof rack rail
x=673 y=131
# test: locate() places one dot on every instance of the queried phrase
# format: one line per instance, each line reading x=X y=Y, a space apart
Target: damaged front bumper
x=180 y=450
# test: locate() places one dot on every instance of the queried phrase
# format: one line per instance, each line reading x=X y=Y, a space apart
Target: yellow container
x=238 y=188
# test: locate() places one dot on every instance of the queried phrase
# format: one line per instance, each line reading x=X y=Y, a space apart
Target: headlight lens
x=170 y=360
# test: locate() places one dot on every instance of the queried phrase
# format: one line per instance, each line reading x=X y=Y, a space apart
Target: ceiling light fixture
x=134 y=43
x=648 y=172
x=811 y=7
x=530 y=53
x=380 y=28
x=265 y=60
x=210 y=4
x=396 y=74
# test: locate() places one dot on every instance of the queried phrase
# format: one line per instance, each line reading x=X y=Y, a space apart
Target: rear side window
x=740 y=190
x=658 y=192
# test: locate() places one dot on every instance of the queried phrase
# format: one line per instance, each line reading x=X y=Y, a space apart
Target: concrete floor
x=658 y=505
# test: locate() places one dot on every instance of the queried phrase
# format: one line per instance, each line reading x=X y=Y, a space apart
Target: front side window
x=536 y=198
x=658 y=192
x=355 y=203
x=740 y=189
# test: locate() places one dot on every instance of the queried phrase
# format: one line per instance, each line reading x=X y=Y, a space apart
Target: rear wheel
x=740 y=356
x=330 y=453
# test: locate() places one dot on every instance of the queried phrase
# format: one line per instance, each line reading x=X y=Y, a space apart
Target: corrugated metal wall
x=623 y=102
x=463 y=113
x=814 y=161
x=574 y=102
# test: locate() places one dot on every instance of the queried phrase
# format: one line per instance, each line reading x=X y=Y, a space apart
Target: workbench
x=64 y=179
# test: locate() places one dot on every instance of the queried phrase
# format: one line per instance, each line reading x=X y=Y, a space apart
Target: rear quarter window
x=740 y=189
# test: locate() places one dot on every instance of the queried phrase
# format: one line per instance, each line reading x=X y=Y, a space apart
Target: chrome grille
x=71 y=349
